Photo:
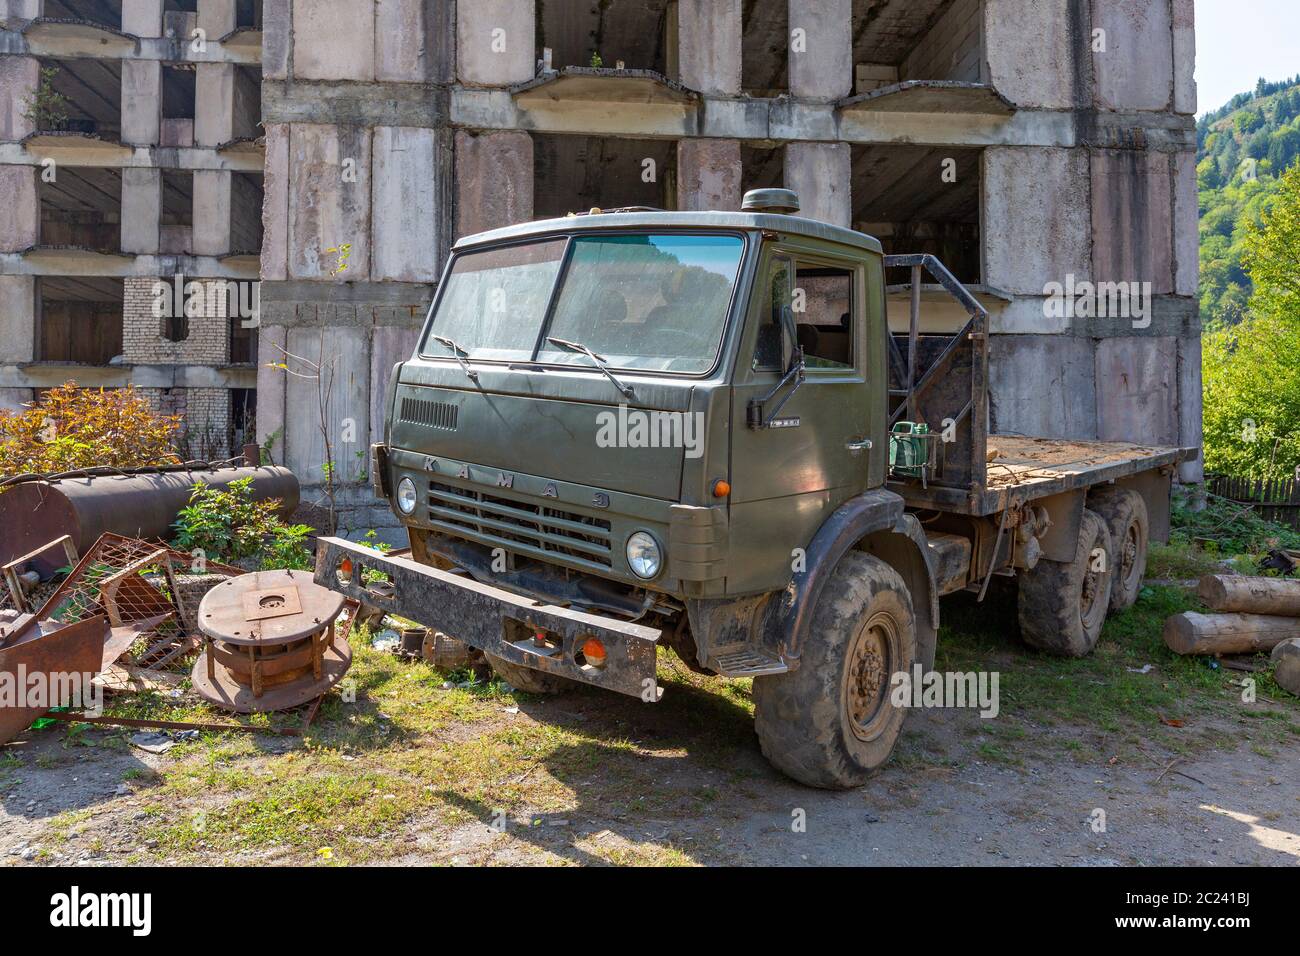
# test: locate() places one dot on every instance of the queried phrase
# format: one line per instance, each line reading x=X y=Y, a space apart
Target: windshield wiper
x=599 y=360
x=457 y=352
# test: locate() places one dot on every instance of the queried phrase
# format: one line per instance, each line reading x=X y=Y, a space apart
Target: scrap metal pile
x=140 y=617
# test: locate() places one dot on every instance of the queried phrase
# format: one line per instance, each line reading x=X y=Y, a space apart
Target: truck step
x=744 y=661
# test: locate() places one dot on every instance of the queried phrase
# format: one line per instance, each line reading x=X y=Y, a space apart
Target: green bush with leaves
x=227 y=525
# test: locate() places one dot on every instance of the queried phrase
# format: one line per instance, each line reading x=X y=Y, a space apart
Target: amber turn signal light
x=721 y=488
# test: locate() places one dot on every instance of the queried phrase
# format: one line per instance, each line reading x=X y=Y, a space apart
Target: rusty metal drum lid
x=267 y=607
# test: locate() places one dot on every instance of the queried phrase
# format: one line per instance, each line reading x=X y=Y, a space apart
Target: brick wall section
x=207 y=341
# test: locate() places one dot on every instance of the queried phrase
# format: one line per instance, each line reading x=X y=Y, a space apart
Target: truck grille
x=518 y=525
x=422 y=411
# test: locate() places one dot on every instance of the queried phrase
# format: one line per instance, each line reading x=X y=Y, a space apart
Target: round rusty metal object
x=267 y=607
x=271 y=642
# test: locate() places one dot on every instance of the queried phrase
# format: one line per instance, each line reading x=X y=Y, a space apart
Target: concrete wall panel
x=333 y=40
x=271 y=386
x=1132 y=218
x=1035 y=220
x=494 y=180
x=143 y=17
x=344 y=351
x=1136 y=69
x=1137 y=390
x=411 y=44
x=1043 y=385
x=405 y=209
x=214 y=104
x=1031 y=50
x=389 y=344
x=329 y=200
x=495 y=42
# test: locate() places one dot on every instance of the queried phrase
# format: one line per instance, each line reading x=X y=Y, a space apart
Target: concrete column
x=141 y=101
x=1135 y=71
x=142 y=17
x=214 y=104
x=494 y=180
x=820 y=173
x=20 y=212
x=275 y=203
x=211 y=212
x=19 y=77
x=1190 y=407
x=1184 y=14
x=141 y=210
x=1032 y=52
x=496 y=43
x=216 y=18
x=709 y=44
x=708 y=174
x=329 y=200
x=821 y=49
x=17 y=319
x=277 y=36
x=22 y=9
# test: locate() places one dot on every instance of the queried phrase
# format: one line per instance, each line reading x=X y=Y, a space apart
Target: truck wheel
x=1125 y=514
x=830 y=722
x=1063 y=604
x=526 y=679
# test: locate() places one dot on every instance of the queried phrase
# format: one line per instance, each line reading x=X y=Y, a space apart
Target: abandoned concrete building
x=1034 y=145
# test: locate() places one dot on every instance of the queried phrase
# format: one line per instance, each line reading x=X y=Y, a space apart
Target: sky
x=1238 y=41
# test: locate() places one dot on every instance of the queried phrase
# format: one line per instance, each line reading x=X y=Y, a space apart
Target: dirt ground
x=1094 y=763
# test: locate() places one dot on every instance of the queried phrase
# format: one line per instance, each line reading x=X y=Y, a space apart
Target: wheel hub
x=868 y=677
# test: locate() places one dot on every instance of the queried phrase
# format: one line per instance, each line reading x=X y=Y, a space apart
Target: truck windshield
x=646 y=302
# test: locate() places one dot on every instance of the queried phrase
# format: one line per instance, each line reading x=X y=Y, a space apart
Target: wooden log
x=1193 y=633
x=1251 y=595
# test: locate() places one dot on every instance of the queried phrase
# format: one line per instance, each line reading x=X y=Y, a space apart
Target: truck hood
x=568 y=425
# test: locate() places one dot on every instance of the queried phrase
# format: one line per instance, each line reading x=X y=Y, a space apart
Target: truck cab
x=629 y=428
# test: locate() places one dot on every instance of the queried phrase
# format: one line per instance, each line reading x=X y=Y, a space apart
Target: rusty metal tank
x=34 y=513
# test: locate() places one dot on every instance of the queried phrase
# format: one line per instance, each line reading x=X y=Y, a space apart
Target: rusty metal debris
x=29 y=654
x=269 y=642
x=128 y=614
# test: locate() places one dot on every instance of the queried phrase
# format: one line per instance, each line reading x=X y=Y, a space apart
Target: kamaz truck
x=709 y=431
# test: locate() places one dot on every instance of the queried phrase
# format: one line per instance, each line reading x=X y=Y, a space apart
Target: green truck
x=706 y=430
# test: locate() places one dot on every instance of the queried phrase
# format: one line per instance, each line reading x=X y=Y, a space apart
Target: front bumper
x=497 y=621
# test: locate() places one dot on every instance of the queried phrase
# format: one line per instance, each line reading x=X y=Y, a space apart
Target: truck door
x=789 y=475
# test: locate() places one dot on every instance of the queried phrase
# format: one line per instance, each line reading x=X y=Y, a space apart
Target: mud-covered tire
x=1063 y=604
x=1125 y=514
x=526 y=679
x=830 y=722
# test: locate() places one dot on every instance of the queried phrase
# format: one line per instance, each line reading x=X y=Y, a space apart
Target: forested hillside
x=1242 y=148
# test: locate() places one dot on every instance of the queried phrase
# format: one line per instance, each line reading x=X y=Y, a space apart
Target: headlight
x=644 y=555
x=406 y=496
